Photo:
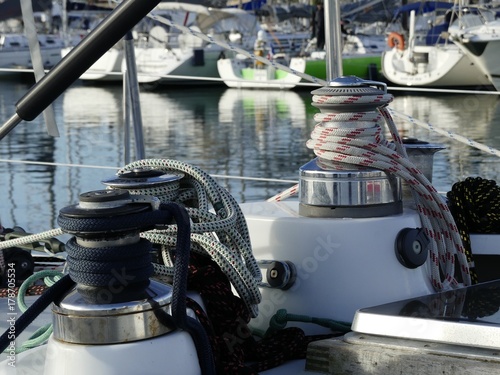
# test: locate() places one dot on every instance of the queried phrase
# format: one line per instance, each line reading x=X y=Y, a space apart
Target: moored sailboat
x=476 y=32
x=15 y=53
x=423 y=56
x=349 y=239
x=246 y=73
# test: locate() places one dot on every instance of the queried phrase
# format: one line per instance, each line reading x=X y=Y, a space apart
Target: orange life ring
x=396 y=40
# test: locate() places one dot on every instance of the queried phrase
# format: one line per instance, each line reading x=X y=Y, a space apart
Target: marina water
x=226 y=132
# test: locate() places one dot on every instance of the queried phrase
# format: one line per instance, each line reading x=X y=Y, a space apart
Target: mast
x=333 y=40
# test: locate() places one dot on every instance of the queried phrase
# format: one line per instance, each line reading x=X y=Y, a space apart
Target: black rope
x=54 y=293
x=227 y=318
x=475 y=206
x=117 y=223
x=179 y=313
x=95 y=266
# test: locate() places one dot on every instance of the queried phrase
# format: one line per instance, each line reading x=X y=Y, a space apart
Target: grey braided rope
x=241 y=279
x=168 y=192
x=218 y=230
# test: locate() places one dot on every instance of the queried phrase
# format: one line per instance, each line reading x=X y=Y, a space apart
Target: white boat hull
x=107 y=68
x=22 y=59
x=485 y=53
x=157 y=65
x=15 y=53
x=478 y=37
x=236 y=74
x=488 y=61
x=176 y=65
x=432 y=66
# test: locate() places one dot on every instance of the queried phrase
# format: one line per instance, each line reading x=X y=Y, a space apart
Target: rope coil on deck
x=475 y=205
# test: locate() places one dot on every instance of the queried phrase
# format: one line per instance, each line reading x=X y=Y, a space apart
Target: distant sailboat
x=422 y=55
x=476 y=33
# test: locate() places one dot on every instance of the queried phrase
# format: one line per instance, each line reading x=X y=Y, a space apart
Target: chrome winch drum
x=348 y=193
x=358 y=192
x=78 y=322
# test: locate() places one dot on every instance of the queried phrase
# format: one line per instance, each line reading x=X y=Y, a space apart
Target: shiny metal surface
x=330 y=189
x=348 y=82
x=79 y=322
x=141 y=179
x=333 y=39
x=422 y=155
x=349 y=190
x=350 y=86
x=468 y=316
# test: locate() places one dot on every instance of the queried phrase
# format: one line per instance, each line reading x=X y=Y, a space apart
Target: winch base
x=342 y=264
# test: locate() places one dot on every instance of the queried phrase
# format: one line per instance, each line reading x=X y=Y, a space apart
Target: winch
x=350 y=239
x=332 y=189
x=158 y=183
x=116 y=314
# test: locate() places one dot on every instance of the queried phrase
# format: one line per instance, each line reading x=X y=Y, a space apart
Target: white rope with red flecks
x=353 y=140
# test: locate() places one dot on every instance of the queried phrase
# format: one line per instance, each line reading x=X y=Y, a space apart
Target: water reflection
x=249 y=133
x=476 y=117
x=256 y=133
x=225 y=132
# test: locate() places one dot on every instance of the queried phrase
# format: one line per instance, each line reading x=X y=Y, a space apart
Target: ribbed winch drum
x=331 y=189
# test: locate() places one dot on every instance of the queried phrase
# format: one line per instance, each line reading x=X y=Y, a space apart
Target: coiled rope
x=221 y=259
x=475 y=205
x=352 y=140
x=93 y=268
x=96 y=267
x=221 y=233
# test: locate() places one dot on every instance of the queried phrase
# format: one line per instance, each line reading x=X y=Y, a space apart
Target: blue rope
x=55 y=292
x=192 y=326
x=95 y=266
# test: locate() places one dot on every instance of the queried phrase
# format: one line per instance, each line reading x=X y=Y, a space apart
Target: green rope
x=49 y=276
x=43 y=333
x=281 y=318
